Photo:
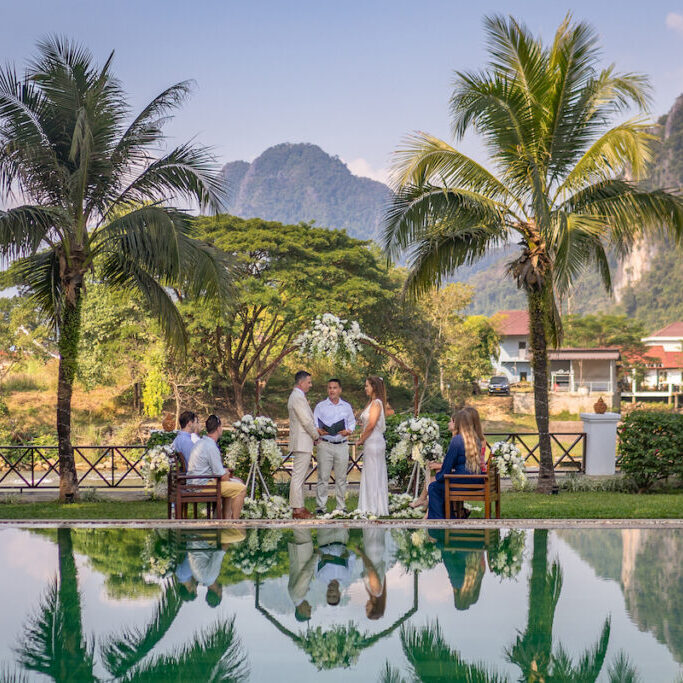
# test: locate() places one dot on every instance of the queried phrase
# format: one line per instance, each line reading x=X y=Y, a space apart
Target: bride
x=374 y=486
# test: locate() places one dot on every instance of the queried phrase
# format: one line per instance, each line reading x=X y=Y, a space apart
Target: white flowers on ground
x=255 y=436
x=399 y=507
x=419 y=439
x=509 y=461
x=350 y=514
x=275 y=507
x=155 y=465
x=331 y=337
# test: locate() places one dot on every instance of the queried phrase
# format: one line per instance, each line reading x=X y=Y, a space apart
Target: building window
x=522 y=376
x=522 y=345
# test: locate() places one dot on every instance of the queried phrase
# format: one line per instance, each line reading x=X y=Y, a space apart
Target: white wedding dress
x=374 y=485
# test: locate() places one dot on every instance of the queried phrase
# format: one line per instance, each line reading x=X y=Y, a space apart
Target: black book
x=334 y=429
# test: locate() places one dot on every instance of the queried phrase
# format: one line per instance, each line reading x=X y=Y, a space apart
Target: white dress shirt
x=329 y=413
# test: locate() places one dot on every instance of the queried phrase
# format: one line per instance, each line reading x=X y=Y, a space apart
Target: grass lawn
x=581 y=505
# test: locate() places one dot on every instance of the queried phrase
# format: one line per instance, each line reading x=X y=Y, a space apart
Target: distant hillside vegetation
x=291 y=183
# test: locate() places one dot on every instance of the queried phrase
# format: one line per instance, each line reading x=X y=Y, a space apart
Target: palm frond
x=124 y=651
x=215 y=654
x=160 y=240
x=126 y=274
x=40 y=274
x=23 y=228
x=622 y=671
x=187 y=172
x=431 y=658
x=414 y=209
x=629 y=211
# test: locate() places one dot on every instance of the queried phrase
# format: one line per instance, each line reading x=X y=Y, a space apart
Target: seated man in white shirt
x=187 y=437
x=335 y=422
x=205 y=458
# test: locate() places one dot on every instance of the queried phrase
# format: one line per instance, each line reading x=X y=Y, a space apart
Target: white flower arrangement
x=255 y=436
x=339 y=646
x=257 y=554
x=419 y=439
x=506 y=556
x=330 y=337
x=155 y=465
x=275 y=507
x=509 y=462
x=415 y=550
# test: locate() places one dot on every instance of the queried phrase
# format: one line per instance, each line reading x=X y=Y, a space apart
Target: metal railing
x=32 y=467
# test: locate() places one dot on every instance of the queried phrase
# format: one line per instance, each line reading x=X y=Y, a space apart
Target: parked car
x=499 y=385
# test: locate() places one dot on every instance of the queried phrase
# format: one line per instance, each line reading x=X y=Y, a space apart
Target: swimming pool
x=370 y=604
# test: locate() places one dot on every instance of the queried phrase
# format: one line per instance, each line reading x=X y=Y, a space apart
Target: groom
x=303 y=435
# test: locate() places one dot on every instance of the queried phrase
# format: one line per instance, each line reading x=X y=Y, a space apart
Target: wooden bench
x=465 y=488
x=182 y=491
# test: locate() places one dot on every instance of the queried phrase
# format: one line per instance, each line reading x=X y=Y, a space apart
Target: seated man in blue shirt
x=187 y=437
x=205 y=458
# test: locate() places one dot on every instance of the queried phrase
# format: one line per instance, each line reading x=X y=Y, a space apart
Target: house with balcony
x=575 y=370
x=663 y=365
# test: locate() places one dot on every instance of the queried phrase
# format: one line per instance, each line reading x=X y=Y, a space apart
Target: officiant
x=335 y=422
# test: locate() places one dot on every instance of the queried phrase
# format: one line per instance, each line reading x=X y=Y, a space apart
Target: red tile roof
x=672 y=330
x=512 y=322
x=656 y=356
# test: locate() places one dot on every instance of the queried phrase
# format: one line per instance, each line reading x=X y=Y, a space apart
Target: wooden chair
x=465 y=488
x=182 y=490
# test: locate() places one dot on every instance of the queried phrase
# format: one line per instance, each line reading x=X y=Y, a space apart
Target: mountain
x=291 y=183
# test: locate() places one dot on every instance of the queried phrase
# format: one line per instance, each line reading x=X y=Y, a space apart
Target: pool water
x=338 y=604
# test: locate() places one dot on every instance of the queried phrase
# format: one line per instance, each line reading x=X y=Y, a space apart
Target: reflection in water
x=319 y=601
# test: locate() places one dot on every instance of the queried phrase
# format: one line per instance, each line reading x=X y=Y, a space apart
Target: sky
x=353 y=77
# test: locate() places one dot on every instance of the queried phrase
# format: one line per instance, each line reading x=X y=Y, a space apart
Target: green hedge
x=651 y=446
x=399 y=474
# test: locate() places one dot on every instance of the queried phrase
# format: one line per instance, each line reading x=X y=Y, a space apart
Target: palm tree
x=565 y=182
x=95 y=193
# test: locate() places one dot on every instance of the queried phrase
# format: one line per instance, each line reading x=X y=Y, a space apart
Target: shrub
x=651 y=446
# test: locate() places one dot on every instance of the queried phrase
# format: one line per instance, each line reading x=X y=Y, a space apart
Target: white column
x=601 y=442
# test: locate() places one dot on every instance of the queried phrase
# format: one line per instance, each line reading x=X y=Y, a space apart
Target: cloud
x=361 y=167
x=675 y=22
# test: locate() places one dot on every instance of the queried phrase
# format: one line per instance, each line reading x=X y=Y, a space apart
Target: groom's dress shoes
x=301 y=513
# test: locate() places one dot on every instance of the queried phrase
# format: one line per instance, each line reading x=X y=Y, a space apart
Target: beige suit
x=302 y=434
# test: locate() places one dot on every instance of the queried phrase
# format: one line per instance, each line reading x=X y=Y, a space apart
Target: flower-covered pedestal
x=419 y=441
x=509 y=462
x=255 y=439
x=154 y=468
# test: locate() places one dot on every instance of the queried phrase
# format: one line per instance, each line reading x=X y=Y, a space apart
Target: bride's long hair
x=464 y=425
x=377 y=384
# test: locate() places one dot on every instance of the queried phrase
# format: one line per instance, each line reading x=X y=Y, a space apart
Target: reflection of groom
x=335 y=422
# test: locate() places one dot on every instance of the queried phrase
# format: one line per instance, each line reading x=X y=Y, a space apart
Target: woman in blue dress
x=462 y=457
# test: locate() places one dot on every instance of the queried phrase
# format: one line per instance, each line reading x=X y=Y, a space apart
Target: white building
x=663 y=359
x=574 y=370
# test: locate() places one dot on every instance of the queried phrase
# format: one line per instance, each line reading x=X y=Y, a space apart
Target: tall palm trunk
x=69 y=333
x=539 y=365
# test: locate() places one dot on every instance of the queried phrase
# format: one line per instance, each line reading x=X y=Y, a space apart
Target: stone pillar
x=601 y=442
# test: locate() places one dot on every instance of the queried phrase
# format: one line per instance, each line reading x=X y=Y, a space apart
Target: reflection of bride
x=374 y=572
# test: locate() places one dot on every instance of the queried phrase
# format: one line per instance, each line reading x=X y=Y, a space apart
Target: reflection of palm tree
x=532 y=651
x=430 y=658
x=53 y=643
x=122 y=652
x=213 y=655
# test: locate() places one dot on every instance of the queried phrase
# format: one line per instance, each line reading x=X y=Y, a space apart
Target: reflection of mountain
x=647 y=565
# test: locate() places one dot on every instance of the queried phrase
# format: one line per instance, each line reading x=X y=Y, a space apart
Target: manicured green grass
x=582 y=505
